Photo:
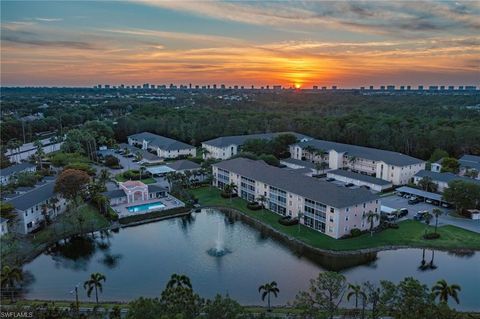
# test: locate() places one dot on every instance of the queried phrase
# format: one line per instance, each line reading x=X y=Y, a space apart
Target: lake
x=138 y=261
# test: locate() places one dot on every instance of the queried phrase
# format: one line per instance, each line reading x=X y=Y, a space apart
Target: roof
x=445 y=177
x=116 y=193
x=360 y=177
x=374 y=154
x=419 y=192
x=470 y=161
x=225 y=141
x=3 y=220
x=15 y=169
x=162 y=142
x=33 y=197
x=312 y=188
x=160 y=169
x=156 y=188
x=182 y=165
x=298 y=162
x=132 y=184
x=145 y=154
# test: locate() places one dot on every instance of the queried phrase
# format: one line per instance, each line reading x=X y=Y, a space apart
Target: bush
x=135 y=174
x=82 y=167
x=430 y=236
x=288 y=221
x=355 y=232
x=225 y=195
x=254 y=206
x=62 y=159
x=112 y=161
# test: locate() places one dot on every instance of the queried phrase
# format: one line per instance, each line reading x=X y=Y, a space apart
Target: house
x=7 y=174
x=373 y=183
x=441 y=179
x=391 y=166
x=3 y=226
x=469 y=164
x=225 y=147
x=164 y=147
x=131 y=192
x=32 y=207
x=328 y=208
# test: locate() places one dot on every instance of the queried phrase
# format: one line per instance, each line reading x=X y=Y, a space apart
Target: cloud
x=48 y=19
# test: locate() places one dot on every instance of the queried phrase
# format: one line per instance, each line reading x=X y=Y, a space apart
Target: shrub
x=355 y=232
x=112 y=161
x=82 y=167
x=430 y=236
x=288 y=221
x=254 y=206
x=225 y=195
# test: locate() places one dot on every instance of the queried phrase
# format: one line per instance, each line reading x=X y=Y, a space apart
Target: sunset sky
x=349 y=44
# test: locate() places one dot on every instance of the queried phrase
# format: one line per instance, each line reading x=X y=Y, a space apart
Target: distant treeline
x=415 y=125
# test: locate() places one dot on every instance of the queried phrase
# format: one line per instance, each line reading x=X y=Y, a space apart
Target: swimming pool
x=145 y=207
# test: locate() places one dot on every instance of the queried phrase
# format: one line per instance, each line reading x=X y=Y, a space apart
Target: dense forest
x=411 y=124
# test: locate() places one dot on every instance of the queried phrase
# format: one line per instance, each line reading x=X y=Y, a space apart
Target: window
x=332 y=210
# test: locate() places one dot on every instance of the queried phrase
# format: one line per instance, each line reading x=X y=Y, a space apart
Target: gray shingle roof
x=145 y=154
x=470 y=161
x=225 y=141
x=15 y=169
x=181 y=165
x=445 y=177
x=309 y=187
x=156 y=188
x=389 y=157
x=116 y=193
x=33 y=197
x=162 y=142
x=360 y=177
x=298 y=162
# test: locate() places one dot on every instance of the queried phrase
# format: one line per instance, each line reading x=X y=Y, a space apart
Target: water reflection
x=427 y=265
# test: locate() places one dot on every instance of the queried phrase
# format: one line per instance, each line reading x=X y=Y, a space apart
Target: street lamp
x=75 y=290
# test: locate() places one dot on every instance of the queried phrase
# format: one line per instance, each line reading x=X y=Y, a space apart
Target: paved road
x=398 y=202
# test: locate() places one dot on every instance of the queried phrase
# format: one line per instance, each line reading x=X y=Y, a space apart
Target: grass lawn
x=67 y=223
x=409 y=233
x=121 y=178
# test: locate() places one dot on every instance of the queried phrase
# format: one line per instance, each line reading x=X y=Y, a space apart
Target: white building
x=328 y=208
x=441 y=179
x=131 y=192
x=225 y=147
x=32 y=206
x=164 y=147
x=7 y=174
x=391 y=166
x=25 y=151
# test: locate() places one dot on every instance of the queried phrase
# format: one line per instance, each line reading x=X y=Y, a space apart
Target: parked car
x=446 y=205
x=414 y=200
x=349 y=185
x=420 y=215
x=403 y=212
x=428 y=201
x=330 y=179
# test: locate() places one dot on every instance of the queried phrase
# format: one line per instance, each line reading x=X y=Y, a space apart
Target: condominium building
x=164 y=147
x=441 y=179
x=225 y=147
x=328 y=208
x=7 y=174
x=391 y=166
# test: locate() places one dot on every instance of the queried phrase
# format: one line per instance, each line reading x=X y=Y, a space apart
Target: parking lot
x=397 y=202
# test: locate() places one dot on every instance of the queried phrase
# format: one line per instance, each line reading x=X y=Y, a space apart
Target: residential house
x=225 y=147
x=441 y=179
x=387 y=165
x=328 y=208
x=7 y=174
x=164 y=147
x=32 y=207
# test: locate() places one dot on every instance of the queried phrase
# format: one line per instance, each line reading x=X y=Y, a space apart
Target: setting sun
x=297 y=85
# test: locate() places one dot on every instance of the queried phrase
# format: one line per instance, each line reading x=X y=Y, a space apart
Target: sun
x=298 y=85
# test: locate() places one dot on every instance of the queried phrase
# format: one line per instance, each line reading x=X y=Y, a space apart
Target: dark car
x=330 y=179
x=403 y=212
x=349 y=185
x=414 y=200
x=420 y=215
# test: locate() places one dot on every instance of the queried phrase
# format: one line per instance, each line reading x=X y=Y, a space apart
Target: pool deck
x=169 y=202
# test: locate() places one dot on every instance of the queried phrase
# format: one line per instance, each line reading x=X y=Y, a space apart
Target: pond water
x=138 y=261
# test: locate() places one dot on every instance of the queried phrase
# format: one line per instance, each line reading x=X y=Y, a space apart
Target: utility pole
x=76 y=298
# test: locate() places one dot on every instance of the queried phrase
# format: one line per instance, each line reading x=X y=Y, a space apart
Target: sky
x=288 y=43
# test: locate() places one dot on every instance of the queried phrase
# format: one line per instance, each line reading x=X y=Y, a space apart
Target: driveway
x=398 y=202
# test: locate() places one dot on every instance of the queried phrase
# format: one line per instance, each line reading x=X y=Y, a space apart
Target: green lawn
x=121 y=178
x=409 y=233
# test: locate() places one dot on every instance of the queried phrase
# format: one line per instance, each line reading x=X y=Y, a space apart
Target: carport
x=421 y=194
x=159 y=170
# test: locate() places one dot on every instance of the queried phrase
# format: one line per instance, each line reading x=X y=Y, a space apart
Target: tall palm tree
x=45 y=208
x=436 y=212
x=443 y=291
x=230 y=189
x=428 y=218
x=355 y=291
x=262 y=199
x=310 y=151
x=10 y=277
x=179 y=281
x=371 y=218
x=94 y=282
x=267 y=289
x=53 y=204
x=142 y=170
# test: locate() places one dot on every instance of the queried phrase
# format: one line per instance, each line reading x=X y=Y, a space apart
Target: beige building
x=328 y=208
x=227 y=146
x=164 y=147
x=391 y=166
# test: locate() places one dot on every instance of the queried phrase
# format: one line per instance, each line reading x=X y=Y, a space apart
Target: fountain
x=219 y=250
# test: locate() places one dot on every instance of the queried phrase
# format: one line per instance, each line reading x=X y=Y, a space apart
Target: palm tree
x=427 y=184
x=39 y=153
x=444 y=291
x=299 y=217
x=203 y=152
x=428 y=218
x=142 y=170
x=94 y=282
x=355 y=291
x=45 y=208
x=10 y=277
x=262 y=199
x=179 y=281
x=230 y=189
x=53 y=204
x=310 y=150
x=436 y=212
x=268 y=288
x=371 y=218
x=104 y=176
